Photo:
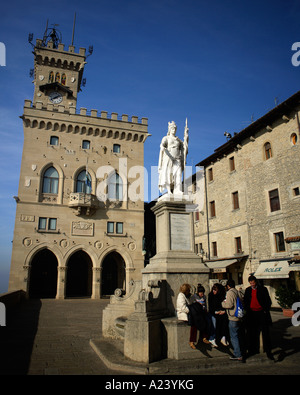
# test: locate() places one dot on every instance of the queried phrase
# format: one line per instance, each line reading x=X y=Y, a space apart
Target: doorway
x=79 y=275
x=113 y=273
x=43 y=275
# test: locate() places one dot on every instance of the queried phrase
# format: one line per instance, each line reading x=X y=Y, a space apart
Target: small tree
x=286 y=297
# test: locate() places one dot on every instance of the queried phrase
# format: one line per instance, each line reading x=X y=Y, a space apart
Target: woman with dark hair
x=218 y=313
x=193 y=313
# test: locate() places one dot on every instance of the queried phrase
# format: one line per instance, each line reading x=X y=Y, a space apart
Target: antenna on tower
x=73 y=28
x=30 y=38
x=45 y=34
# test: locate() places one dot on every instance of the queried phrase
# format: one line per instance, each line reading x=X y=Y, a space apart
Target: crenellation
x=114 y=116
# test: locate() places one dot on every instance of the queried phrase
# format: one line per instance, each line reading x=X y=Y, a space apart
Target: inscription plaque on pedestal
x=180 y=232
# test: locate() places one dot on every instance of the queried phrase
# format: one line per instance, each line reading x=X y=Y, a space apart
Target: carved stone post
x=96 y=290
x=61 y=282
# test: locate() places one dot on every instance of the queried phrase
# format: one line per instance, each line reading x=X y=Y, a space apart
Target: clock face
x=55 y=97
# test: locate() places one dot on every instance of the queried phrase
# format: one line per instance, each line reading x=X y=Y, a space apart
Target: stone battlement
x=52 y=117
x=83 y=111
x=60 y=47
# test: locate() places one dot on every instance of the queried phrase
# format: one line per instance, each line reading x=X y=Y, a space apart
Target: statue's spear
x=185 y=146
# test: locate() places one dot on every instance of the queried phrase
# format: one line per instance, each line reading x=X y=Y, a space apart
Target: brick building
x=250 y=222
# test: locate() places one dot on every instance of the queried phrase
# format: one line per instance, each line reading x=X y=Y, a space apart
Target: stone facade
x=252 y=201
x=80 y=205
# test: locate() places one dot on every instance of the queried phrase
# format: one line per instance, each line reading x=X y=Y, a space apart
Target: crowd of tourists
x=228 y=317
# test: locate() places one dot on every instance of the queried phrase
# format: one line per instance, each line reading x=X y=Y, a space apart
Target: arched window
x=57 y=77
x=268 y=151
x=51 y=77
x=115 y=187
x=50 y=181
x=63 y=79
x=84 y=182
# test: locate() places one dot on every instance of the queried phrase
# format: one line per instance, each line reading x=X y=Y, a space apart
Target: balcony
x=85 y=201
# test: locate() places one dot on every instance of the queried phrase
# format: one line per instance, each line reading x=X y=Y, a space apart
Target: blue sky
x=217 y=63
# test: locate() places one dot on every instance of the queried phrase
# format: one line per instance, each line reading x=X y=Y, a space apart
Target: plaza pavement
x=63 y=337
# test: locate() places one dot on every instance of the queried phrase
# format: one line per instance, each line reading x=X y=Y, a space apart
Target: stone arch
x=113 y=273
x=43 y=262
x=79 y=274
x=80 y=262
x=91 y=173
x=60 y=182
x=120 y=282
x=124 y=184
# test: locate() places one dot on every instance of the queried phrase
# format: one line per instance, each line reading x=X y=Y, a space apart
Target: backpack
x=239 y=312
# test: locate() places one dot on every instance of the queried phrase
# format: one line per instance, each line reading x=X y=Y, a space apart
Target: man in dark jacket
x=257 y=303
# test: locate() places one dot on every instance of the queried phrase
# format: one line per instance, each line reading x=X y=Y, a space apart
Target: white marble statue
x=172 y=160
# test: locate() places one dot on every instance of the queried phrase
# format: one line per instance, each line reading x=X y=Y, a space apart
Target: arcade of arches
x=78 y=282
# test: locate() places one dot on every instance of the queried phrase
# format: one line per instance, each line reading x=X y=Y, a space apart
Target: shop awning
x=220 y=266
x=273 y=269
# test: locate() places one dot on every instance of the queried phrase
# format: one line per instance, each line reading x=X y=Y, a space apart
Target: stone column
x=61 y=282
x=26 y=270
x=96 y=282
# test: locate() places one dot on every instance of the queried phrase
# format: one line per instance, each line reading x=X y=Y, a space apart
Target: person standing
x=257 y=303
x=218 y=313
x=234 y=322
x=201 y=316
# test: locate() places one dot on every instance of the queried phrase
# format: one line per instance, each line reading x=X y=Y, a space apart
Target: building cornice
x=280 y=112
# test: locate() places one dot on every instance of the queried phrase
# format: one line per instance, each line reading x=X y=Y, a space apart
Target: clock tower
x=57 y=71
x=80 y=205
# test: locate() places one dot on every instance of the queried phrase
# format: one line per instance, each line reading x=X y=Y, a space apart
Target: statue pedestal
x=144 y=312
x=175 y=261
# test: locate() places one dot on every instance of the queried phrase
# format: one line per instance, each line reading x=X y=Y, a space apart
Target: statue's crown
x=172 y=123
